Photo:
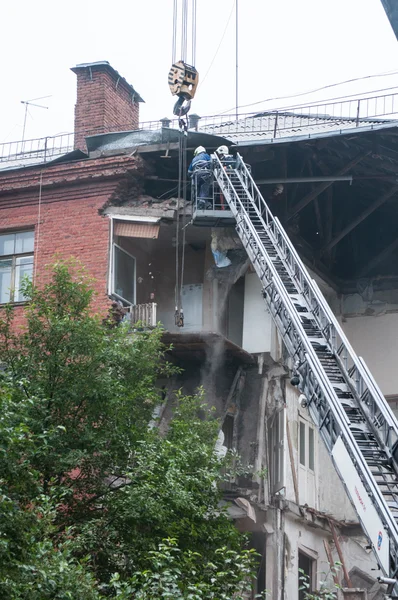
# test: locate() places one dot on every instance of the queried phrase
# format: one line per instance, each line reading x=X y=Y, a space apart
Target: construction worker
x=228 y=162
x=201 y=165
x=225 y=157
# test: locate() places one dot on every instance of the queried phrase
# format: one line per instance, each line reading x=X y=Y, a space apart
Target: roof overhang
x=391 y=8
x=156 y=140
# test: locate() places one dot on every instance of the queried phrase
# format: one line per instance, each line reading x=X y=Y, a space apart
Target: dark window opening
x=276 y=451
x=305 y=575
x=228 y=431
x=257 y=541
x=302 y=443
x=124 y=275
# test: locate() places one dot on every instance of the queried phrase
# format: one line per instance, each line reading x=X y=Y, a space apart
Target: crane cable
x=182 y=152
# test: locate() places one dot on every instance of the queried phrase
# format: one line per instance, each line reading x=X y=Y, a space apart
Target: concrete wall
x=375 y=339
x=256 y=318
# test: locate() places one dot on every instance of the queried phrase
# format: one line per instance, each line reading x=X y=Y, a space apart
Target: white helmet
x=198 y=150
x=223 y=150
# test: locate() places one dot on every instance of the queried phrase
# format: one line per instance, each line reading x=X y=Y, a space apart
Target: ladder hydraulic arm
x=343 y=399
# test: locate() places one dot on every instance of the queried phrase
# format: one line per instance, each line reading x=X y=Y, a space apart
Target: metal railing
x=37 y=150
x=345 y=113
x=293 y=120
x=143 y=313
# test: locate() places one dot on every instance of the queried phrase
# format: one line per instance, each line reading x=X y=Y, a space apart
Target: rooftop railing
x=293 y=120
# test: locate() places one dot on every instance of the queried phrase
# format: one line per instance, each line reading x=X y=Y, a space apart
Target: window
x=228 y=431
x=306 y=575
x=16 y=262
x=123 y=275
x=276 y=438
x=307 y=445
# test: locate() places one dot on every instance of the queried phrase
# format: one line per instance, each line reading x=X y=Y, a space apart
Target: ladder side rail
x=388 y=422
x=331 y=398
x=370 y=399
x=373 y=402
x=338 y=419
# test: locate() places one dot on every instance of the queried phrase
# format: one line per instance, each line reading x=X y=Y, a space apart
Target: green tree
x=95 y=502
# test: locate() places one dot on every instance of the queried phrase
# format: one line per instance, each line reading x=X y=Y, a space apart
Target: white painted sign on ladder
x=367 y=514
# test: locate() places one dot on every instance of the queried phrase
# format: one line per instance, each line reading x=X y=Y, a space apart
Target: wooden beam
x=340 y=553
x=293 y=192
x=284 y=171
x=331 y=561
x=378 y=259
x=364 y=214
x=324 y=186
x=329 y=222
x=317 y=209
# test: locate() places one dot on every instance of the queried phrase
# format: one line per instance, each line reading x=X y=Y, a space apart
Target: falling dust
x=223 y=240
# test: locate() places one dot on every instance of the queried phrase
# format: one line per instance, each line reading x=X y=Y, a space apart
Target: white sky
x=285 y=47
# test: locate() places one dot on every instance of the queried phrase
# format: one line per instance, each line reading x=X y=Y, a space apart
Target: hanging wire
x=193 y=32
x=184 y=217
x=180 y=177
x=219 y=45
x=174 y=41
x=37 y=236
x=183 y=30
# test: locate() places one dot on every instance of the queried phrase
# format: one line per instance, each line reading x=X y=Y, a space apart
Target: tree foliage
x=94 y=502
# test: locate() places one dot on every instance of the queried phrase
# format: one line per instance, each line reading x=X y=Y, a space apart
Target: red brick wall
x=69 y=223
x=104 y=104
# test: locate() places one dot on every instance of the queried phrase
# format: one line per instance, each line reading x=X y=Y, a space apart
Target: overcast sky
x=285 y=47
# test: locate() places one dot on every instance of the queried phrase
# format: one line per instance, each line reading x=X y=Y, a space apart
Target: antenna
x=31 y=103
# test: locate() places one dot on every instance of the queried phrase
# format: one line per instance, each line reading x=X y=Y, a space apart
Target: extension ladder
x=353 y=418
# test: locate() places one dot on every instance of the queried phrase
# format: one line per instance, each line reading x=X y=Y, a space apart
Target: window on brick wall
x=16 y=262
x=123 y=275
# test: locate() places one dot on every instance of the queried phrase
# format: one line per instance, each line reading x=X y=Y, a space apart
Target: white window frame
x=113 y=275
x=111 y=269
x=307 y=427
x=14 y=284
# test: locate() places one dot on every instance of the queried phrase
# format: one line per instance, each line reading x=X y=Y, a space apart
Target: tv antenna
x=31 y=103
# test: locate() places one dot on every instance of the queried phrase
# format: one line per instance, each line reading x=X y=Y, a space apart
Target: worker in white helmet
x=201 y=164
x=228 y=162
x=225 y=156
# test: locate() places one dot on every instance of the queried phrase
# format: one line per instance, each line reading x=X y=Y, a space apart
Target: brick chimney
x=105 y=102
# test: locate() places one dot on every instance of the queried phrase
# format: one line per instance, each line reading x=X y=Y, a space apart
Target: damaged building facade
x=111 y=201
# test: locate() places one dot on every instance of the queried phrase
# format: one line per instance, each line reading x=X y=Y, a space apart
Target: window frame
x=306 y=426
x=113 y=275
x=14 y=285
x=312 y=558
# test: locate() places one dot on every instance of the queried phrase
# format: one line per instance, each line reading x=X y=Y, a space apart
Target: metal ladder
x=344 y=401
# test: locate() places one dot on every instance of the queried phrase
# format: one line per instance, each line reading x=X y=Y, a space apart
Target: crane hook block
x=183 y=80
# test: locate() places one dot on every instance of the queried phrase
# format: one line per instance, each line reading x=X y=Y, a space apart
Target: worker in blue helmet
x=200 y=166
